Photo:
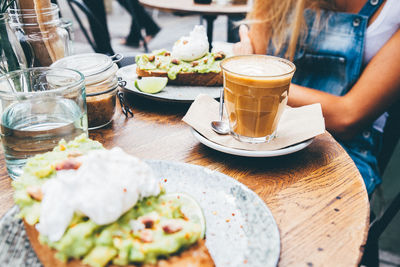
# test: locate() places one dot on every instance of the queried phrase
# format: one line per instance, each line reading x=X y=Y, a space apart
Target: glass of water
x=38 y=108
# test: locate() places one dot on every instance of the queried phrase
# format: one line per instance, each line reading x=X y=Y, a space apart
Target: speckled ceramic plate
x=241 y=230
x=171 y=93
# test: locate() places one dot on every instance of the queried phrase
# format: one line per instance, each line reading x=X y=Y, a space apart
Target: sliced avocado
x=105 y=238
x=136 y=254
x=100 y=256
x=163 y=61
x=123 y=253
x=77 y=241
x=32 y=213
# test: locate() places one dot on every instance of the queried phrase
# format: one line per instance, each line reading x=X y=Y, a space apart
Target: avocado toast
x=189 y=62
x=204 y=71
x=116 y=212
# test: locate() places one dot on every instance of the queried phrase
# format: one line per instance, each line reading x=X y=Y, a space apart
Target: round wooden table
x=316 y=195
x=208 y=11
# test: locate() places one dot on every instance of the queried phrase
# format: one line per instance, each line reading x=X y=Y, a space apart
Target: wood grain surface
x=316 y=195
x=189 y=7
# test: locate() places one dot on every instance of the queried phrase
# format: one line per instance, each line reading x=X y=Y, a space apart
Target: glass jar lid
x=95 y=67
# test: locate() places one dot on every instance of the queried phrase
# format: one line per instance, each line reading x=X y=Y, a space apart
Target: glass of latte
x=256 y=91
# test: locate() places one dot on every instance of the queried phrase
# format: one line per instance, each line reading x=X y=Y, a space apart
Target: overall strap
x=370 y=8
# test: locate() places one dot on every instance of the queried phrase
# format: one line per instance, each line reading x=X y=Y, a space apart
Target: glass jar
x=101 y=84
x=38 y=108
x=101 y=102
x=11 y=53
x=42 y=30
x=66 y=23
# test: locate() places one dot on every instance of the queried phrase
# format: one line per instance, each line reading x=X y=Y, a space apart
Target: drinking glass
x=256 y=90
x=38 y=108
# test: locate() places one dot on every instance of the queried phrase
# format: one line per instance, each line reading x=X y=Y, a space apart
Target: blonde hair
x=278 y=18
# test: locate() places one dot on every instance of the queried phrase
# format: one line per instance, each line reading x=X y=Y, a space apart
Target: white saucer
x=251 y=153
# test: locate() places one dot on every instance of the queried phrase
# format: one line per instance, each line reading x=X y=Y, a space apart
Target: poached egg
x=106 y=185
x=192 y=47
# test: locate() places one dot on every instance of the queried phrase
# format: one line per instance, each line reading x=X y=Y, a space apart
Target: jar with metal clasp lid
x=44 y=37
x=101 y=84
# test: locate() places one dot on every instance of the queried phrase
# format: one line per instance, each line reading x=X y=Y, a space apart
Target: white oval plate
x=171 y=93
x=251 y=153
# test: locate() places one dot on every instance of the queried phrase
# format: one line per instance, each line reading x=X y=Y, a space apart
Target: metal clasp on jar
x=116 y=58
x=124 y=106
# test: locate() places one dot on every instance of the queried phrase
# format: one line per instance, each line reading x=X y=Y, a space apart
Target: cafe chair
x=379 y=224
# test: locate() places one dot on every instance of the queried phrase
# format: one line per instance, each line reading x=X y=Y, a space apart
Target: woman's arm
x=377 y=88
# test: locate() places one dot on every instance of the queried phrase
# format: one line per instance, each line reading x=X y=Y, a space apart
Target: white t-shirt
x=382 y=29
x=378 y=33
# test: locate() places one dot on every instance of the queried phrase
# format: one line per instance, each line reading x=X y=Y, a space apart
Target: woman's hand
x=244 y=47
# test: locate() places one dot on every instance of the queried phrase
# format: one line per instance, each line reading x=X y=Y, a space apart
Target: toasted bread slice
x=186 y=78
x=195 y=256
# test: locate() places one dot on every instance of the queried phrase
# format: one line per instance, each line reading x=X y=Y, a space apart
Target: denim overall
x=330 y=60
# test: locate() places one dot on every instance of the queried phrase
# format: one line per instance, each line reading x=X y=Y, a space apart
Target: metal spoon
x=220 y=126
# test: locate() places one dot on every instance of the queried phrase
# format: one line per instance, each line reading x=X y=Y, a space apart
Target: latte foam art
x=258 y=67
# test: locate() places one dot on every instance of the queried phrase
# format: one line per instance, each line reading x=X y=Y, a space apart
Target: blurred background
x=119 y=20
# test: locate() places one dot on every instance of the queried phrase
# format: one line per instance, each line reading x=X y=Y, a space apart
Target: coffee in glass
x=256 y=91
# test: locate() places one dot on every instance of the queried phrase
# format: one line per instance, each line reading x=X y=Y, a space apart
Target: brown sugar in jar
x=101 y=102
x=101 y=84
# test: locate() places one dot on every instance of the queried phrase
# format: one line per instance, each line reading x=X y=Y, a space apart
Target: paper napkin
x=296 y=125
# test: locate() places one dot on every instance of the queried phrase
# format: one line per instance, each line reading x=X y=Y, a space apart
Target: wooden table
x=316 y=195
x=209 y=12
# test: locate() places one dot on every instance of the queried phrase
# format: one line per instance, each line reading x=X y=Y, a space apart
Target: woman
x=347 y=55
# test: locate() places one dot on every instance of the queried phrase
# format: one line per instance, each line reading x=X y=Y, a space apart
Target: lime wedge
x=151 y=85
x=190 y=208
